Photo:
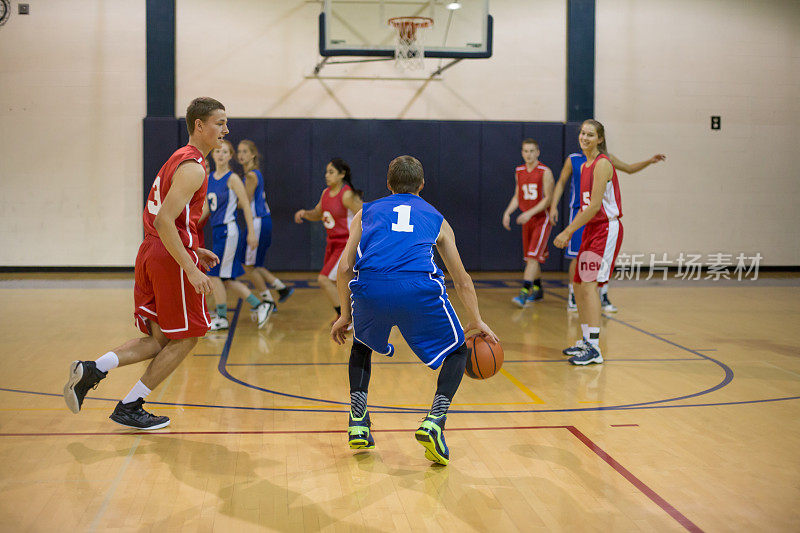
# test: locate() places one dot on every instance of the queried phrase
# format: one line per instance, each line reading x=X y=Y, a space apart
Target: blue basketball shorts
x=574 y=245
x=228 y=245
x=416 y=303
x=263 y=228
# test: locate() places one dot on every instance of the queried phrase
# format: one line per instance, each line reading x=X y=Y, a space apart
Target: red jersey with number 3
x=530 y=187
x=186 y=222
x=335 y=216
x=611 y=208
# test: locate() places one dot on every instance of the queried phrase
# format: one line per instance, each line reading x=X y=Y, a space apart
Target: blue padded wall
x=468 y=175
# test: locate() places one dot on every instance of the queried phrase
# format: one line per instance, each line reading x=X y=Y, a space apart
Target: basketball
x=485 y=359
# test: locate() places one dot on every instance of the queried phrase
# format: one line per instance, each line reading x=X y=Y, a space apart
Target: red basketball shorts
x=333 y=252
x=535 y=234
x=162 y=293
x=598 y=252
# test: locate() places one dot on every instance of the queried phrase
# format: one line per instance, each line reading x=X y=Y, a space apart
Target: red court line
x=635 y=481
x=624 y=472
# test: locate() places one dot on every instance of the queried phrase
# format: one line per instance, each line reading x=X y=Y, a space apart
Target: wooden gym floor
x=692 y=422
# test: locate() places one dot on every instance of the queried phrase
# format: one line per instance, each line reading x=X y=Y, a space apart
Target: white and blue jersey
x=226 y=237
x=398 y=283
x=577 y=160
x=262 y=225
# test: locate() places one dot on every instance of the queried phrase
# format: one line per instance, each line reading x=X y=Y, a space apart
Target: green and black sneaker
x=431 y=435
x=358 y=433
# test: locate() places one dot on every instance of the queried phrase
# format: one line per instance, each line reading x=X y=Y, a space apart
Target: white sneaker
x=572 y=307
x=263 y=312
x=218 y=323
x=606 y=304
x=576 y=349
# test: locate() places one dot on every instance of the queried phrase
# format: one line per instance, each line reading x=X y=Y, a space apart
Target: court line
x=627 y=360
x=528 y=392
x=602 y=454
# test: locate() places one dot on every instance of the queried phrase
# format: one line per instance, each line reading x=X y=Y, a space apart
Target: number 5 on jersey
x=403 y=219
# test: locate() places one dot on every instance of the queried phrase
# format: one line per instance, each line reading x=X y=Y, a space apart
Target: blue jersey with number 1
x=577 y=160
x=398 y=233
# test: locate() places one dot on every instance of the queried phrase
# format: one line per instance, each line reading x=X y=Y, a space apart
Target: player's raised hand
x=298 y=216
x=562 y=239
x=507 y=221
x=339 y=330
x=553 y=215
x=207 y=258
x=200 y=282
x=485 y=331
x=658 y=157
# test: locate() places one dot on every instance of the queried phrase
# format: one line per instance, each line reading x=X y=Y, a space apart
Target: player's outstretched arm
x=513 y=204
x=344 y=275
x=602 y=174
x=446 y=245
x=563 y=179
x=240 y=191
x=633 y=168
x=309 y=214
x=187 y=179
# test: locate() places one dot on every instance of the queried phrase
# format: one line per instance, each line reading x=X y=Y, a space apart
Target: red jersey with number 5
x=335 y=216
x=186 y=223
x=611 y=208
x=530 y=187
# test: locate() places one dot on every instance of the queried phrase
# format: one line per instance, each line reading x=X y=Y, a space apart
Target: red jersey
x=335 y=216
x=611 y=208
x=530 y=187
x=186 y=223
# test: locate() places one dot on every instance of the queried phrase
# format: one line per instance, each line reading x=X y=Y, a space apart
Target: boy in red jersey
x=532 y=193
x=601 y=211
x=170 y=286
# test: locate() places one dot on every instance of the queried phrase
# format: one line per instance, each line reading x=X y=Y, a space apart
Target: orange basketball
x=485 y=359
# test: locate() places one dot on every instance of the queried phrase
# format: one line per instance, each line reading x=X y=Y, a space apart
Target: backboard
x=360 y=27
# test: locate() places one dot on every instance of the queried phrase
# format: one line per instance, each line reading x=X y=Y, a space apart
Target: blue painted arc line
x=246 y=408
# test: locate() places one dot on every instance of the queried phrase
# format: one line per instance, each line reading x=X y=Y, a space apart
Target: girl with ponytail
x=339 y=202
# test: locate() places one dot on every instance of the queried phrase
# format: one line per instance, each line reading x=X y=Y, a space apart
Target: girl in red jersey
x=601 y=210
x=336 y=207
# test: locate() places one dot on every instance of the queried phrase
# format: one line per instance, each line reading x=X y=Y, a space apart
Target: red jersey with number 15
x=186 y=223
x=611 y=208
x=530 y=187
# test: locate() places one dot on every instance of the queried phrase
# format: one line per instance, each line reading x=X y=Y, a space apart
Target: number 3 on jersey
x=403 y=219
x=155 y=204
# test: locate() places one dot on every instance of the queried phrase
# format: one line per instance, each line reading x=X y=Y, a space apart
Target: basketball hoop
x=409 y=51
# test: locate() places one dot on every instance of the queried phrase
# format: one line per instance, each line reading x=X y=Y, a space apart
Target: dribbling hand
x=485 y=331
x=339 y=330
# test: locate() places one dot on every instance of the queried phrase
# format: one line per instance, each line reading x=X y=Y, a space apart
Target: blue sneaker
x=589 y=355
x=536 y=294
x=575 y=349
x=431 y=436
x=522 y=300
x=358 y=433
x=284 y=293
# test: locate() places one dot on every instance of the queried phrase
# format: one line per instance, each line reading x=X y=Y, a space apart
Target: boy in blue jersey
x=571 y=173
x=397 y=283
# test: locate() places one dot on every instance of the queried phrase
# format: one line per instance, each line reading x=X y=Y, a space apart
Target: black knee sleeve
x=452 y=371
x=360 y=367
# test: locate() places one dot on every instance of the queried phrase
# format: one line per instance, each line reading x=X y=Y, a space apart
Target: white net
x=409 y=50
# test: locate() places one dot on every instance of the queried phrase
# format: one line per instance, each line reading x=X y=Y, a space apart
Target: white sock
x=594 y=337
x=266 y=295
x=571 y=291
x=603 y=291
x=278 y=284
x=106 y=362
x=585 y=330
x=138 y=391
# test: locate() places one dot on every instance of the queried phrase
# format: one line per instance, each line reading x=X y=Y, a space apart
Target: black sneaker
x=537 y=293
x=83 y=376
x=284 y=293
x=132 y=415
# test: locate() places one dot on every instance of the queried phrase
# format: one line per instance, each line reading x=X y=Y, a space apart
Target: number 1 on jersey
x=403 y=219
